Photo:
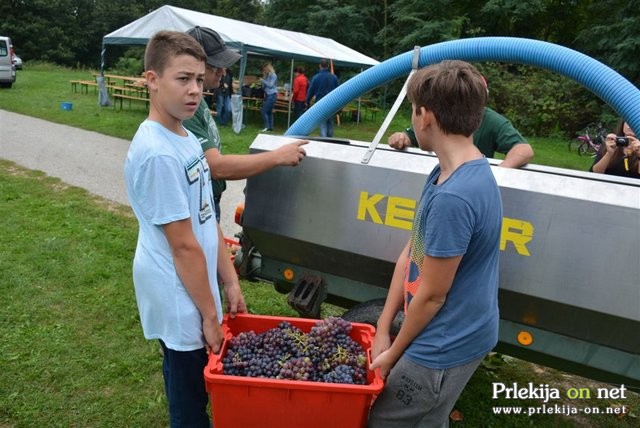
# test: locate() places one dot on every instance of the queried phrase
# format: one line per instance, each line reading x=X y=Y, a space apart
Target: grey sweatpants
x=417 y=396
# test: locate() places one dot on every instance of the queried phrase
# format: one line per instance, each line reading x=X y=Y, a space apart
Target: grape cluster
x=325 y=354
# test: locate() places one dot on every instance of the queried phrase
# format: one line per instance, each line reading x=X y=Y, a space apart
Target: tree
x=248 y=10
x=287 y=14
x=353 y=23
x=416 y=23
x=613 y=37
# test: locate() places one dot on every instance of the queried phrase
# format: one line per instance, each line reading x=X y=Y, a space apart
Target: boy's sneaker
x=267 y=130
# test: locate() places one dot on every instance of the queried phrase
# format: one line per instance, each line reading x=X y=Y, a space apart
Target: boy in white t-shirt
x=174 y=269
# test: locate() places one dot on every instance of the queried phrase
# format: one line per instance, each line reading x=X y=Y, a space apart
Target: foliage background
x=69 y=33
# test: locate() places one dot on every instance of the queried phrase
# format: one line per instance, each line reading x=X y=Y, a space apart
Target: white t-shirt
x=168 y=179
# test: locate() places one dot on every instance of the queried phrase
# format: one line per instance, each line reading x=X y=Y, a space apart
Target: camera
x=622 y=141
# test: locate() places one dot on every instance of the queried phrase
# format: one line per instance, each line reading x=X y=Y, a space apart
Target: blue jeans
x=326 y=128
x=216 y=204
x=184 y=384
x=267 y=110
x=223 y=109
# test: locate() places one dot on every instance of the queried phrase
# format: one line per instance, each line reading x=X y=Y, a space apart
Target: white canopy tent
x=247 y=38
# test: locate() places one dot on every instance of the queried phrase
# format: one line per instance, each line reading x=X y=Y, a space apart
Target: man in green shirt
x=229 y=167
x=496 y=134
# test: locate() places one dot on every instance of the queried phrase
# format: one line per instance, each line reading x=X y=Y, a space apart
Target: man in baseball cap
x=218 y=55
x=219 y=58
x=232 y=167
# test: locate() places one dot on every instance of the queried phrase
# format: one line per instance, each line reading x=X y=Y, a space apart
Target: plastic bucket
x=66 y=106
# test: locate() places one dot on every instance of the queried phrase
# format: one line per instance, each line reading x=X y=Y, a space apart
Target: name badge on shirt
x=194 y=170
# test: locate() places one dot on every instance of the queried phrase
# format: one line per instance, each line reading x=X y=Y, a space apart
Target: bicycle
x=590 y=140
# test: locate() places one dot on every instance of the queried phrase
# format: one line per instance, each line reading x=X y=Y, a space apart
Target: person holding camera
x=620 y=153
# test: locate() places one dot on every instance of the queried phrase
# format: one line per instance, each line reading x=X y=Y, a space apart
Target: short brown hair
x=165 y=45
x=454 y=92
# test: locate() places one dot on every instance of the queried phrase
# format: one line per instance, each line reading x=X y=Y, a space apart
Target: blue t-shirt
x=168 y=179
x=462 y=216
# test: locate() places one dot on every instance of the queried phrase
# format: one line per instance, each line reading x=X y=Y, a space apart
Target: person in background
x=223 y=98
x=229 y=167
x=446 y=278
x=174 y=268
x=321 y=84
x=621 y=159
x=270 y=88
x=495 y=134
x=299 y=94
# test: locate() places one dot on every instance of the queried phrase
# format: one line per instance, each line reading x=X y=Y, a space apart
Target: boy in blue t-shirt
x=174 y=269
x=446 y=278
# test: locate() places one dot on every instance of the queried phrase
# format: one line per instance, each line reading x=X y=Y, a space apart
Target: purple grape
x=325 y=354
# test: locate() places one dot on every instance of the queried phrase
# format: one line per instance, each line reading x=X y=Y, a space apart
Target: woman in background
x=619 y=159
x=270 y=88
x=223 y=97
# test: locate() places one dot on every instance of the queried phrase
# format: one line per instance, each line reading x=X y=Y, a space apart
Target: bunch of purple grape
x=326 y=354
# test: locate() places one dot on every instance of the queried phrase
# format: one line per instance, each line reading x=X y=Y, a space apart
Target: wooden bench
x=347 y=113
x=281 y=106
x=130 y=97
x=84 y=85
x=373 y=111
x=276 y=109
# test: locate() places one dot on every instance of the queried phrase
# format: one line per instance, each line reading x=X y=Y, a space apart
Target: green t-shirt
x=204 y=128
x=495 y=134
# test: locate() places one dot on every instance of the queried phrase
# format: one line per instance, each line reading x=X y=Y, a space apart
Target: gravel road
x=85 y=159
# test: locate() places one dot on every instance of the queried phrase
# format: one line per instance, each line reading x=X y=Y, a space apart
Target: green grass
x=40 y=88
x=72 y=351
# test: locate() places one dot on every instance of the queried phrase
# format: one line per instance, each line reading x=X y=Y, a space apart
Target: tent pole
x=102 y=53
x=359 y=105
x=290 y=94
x=243 y=69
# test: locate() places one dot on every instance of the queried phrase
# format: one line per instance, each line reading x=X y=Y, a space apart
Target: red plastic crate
x=238 y=401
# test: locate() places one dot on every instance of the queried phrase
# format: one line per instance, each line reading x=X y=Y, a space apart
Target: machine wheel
x=369 y=312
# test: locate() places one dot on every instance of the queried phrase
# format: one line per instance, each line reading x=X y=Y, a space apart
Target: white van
x=7 y=68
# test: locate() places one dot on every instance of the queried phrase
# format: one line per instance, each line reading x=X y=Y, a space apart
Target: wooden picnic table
x=122 y=80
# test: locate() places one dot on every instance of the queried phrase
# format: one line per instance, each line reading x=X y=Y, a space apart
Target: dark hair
x=454 y=92
x=324 y=63
x=165 y=45
x=299 y=69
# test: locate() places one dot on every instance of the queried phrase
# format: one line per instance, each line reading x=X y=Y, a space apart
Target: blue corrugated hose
x=603 y=81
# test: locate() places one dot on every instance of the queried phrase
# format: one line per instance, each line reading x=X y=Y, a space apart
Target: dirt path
x=85 y=159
